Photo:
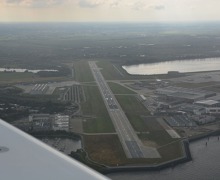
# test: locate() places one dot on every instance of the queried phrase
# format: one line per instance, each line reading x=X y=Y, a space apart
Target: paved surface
x=169 y=130
x=132 y=146
x=180 y=121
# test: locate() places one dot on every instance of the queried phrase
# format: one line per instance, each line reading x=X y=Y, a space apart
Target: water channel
x=24 y=70
x=205 y=165
x=194 y=65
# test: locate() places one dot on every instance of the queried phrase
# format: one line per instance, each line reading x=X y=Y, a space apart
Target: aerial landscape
x=135 y=119
x=131 y=100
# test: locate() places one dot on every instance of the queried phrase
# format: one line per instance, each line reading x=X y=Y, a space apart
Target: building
x=184 y=94
x=203 y=119
x=211 y=106
x=40 y=122
x=143 y=97
x=61 y=122
x=208 y=103
x=192 y=109
x=213 y=110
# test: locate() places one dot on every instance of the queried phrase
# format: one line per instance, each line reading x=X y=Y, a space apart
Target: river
x=24 y=70
x=193 y=65
x=205 y=165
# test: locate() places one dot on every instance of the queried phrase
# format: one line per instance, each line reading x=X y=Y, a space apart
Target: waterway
x=205 y=165
x=24 y=70
x=183 y=66
x=65 y=145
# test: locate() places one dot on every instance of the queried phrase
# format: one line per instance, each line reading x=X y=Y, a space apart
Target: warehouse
x=184 y=94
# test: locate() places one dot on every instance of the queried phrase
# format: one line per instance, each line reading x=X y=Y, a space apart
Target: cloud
x=140 y=5
x=34 y=3
x=13 y=1
x=114 y=4
x=90 y=3
x=158 y=7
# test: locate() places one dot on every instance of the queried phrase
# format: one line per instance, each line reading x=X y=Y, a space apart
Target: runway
x=131 y=144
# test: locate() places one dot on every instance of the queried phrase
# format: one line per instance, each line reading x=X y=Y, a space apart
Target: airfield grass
x=17 y=77
x=110 y=151
x=171 y=151
x=195 y=85
x=94 y=107
x=142 y=122
x=82 y=71
x=133 y=110
x=208 y=86
x=14 y=76
x=119 y=89
x=112 y=73
x=109 y=71
x=156 y=132
x=215 y=88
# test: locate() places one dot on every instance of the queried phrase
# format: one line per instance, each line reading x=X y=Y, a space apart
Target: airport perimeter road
x=131 y=144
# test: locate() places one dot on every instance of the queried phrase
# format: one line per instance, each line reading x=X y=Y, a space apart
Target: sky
x=109 y=10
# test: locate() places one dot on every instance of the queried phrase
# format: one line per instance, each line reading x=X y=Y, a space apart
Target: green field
x=109 y=151
x=196 y=85
x=82 y=71
x=156 y=132
x=118 y=89
x=133 y=110
x=94 y=106
x=108 y=154
x=171 y=151
x=17 y=77
x=110 y=72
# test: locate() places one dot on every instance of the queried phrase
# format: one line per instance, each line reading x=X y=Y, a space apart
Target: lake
x=23 y=70
x=183 y=66
x=205 y=165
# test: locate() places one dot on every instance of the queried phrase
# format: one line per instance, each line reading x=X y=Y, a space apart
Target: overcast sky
x=109 y=10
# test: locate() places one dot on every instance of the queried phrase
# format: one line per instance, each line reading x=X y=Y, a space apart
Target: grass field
x=95 y=107
x=15 y=77
x=133 y=110
x=118 y=89
x=109 y=71
x=171 y=151
x=110 y=151
x=82 y=71
x=195 y=85
x=215 y=88
x=156 y=132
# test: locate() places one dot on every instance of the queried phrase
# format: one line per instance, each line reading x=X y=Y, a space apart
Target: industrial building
x=40 y=122
x=208 y=103
x=180 y=121
x=203 y=119
x=61 y=122
x=184 y=94
x=192 y=109
x=211 y=106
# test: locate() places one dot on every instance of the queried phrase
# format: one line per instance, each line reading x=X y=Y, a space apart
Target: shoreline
x=169 y=164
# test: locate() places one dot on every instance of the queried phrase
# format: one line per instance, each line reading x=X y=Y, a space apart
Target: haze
x=108 y=10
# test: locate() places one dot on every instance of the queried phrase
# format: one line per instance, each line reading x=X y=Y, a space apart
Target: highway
x=131 y=144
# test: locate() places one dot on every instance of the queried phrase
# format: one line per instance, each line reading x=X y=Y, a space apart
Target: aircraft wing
x=22 y=157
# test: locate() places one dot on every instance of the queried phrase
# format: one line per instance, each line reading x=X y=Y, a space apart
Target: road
x=131 y=144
